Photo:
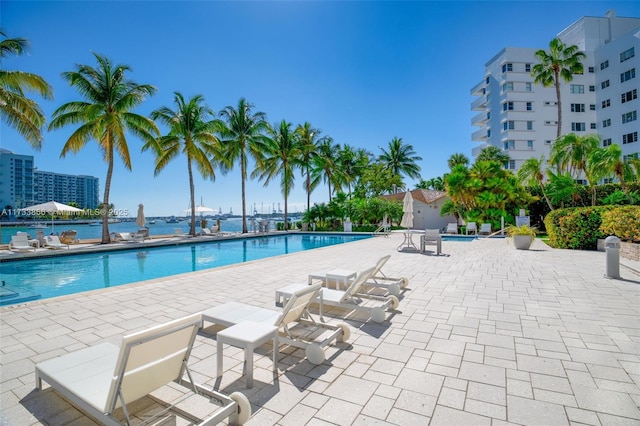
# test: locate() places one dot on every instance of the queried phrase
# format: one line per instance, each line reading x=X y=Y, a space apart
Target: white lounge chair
x=472 y=227
x=297 y=326
x=20 y=243
x=431 y=237
x=485 y=228
x=207 y=232
x=102 y=378
x=452 y=228
x=379 y=280
x=351 y=299
x=53 y=242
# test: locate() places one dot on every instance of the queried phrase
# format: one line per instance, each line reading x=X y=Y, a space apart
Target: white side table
x=341 y=276
x=247 y=335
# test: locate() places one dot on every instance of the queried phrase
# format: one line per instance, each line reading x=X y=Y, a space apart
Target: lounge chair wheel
x=378 y=314
x=394 y=289
x=315 y=354
x=405 y=282
x=244 y=407
x=395 y=302
x=346 y=332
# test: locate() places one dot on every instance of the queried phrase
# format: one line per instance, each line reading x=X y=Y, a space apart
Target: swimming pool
x=46 y=277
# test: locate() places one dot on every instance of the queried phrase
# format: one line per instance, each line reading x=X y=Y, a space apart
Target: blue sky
x=362 y=72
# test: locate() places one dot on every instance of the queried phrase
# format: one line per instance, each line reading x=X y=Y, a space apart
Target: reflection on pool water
x=62 y=275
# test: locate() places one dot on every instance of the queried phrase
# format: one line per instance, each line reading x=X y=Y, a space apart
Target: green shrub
x=623 y=222
x=575 y=228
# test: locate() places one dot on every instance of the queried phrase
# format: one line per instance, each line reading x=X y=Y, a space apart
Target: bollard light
x=612 y=248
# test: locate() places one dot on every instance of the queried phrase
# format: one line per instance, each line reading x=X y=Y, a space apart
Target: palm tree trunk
x=308 y=187
x=192 y=227
x=106 y=239
x=243 y=172
x=559 y=131
x=286 y=222
x=546 y=197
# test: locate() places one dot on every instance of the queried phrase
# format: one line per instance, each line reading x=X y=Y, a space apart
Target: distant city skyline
x=363 y=72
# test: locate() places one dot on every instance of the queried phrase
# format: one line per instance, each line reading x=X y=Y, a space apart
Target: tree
x=18 y=111
x=351 y=162
x=105 y=116
x=531 y=174
x=436 y=184
x=280 y=157
x=325 y=166
x=309 y=137
x=242 y=134
x=457 y=159
x=400 y=159
x=191 y=132
x=604 y=162
x=560 y=62
x=570 y=153
x=493 y=153
x=376 y=180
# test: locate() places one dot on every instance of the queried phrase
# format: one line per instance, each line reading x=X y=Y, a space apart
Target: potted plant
x=522 y=235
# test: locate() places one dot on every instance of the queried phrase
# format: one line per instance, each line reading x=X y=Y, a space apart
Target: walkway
x=485 y=335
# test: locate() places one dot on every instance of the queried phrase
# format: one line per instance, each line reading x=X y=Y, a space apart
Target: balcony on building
x=479 y=135
x=478 y=149
x=479 y=104
x=478 y=89
x=479 y=119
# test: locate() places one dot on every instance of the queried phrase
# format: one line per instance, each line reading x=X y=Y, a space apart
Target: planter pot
x=522 y=242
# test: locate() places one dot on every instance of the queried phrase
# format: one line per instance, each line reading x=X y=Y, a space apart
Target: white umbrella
x=52 y=207
x=407 y=209
x=140 y=220
x=200 y=209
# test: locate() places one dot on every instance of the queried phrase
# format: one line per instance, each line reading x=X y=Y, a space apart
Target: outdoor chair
x=485 y=229
x=472 y=228
x=452 y=228
x=20 y=243
x=431 y=237
x=68 y=237
x=53 y=242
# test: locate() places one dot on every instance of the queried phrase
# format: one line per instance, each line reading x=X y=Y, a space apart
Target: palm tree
x=561 y=61
x=609 y=161
x=531 y=174
x=192 y=132
x=401 y=159
x=570 y=153
x=325 y=164
x=436 y=183
x=280 y=157
x=493 y=153
x=242 y=134
x=105 y=116
x=457 y=159
x=351 y=162
x=18 y=111
x=309 y=138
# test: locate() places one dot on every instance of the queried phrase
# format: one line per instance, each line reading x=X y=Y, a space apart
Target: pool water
x=46 y=277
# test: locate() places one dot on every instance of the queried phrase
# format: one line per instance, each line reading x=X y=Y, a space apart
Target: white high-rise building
x=520 y=117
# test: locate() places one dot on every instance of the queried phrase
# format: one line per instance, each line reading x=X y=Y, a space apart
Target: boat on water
x=152 y=222
x=95 y=224
x=172 y=219
x=38 y=226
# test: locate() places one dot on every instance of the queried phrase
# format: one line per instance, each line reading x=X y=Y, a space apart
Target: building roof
x=426 y=196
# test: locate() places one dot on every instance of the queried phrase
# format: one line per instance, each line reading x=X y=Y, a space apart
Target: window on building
x=606 y=142
x=627 y=54
x=629 y=117
x=510 y=165
x=628 y=75
x=604 y=84
x=604 y=65
x=628 y=158
x=509 y=125
x=592 y=107
x=507 y=67
x=488 y=115
x=509 y=144
x=529 y=144
x=592 y=70
x=547 y=142
x=550 y=103
x=527 y=87
x=488 y=133
x=629 y=96
x=577 y=88
x=529 y=125
x=487 y=80
x=577 y=107
x=507 y=106
x=578 y=127
x=630 y=138
x=529 y=106
x=606 y=123
x=507 y=87
x=527 y=67
x=550 y=123
x=606 y=103
x=593 y=126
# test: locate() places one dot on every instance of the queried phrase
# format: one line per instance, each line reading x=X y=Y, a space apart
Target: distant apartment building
x=22 y=185
x=520 y=117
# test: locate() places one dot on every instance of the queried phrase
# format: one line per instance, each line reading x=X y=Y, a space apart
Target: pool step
x=10 y=296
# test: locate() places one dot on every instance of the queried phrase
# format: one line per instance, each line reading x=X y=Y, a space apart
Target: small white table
x=247 y=335
x=408 y=239
x=339 y=276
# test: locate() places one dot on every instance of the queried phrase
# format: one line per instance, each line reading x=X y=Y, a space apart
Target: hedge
x=581 y=227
